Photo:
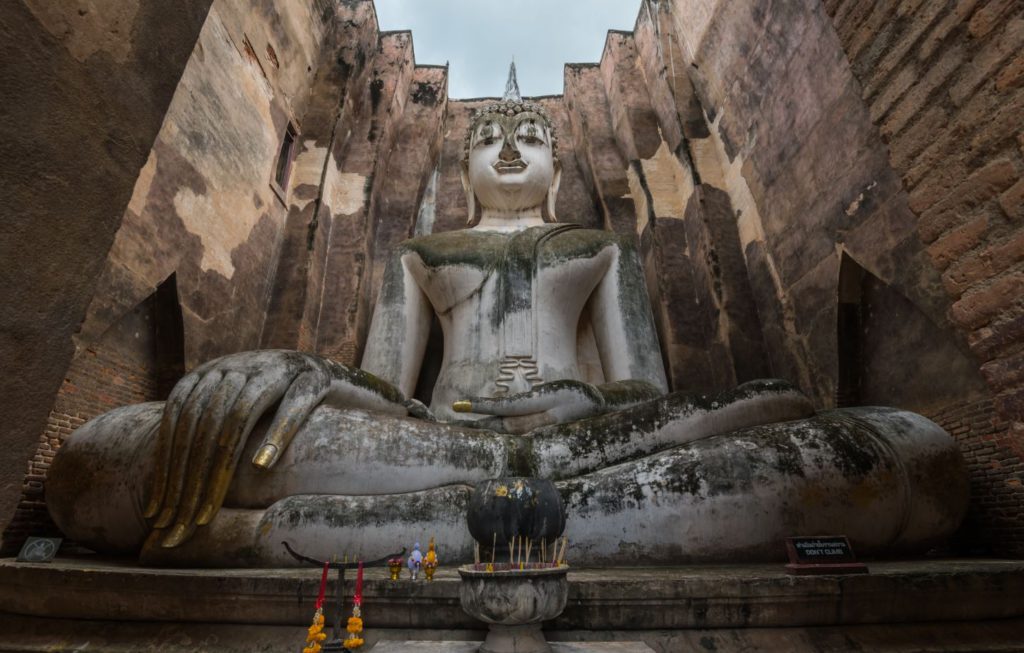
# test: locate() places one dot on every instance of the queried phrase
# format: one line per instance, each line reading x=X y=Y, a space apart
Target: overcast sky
x=480 y=37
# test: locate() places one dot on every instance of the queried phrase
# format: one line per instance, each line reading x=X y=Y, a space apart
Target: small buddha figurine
x=430 y=561
x=415 y=561
x=551 y=369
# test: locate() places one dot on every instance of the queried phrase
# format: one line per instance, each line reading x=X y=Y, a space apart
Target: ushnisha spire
x=512 y=85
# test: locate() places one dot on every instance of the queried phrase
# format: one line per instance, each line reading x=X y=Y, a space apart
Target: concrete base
x=964 y=605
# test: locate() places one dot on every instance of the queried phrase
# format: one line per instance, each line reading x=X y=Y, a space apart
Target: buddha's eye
x=486 y=135
x=530 y=134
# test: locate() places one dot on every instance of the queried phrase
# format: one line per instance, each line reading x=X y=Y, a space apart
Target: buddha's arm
x=624 y=327
x=400 y=327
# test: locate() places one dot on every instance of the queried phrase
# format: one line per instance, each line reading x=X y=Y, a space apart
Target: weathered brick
x=980 y=186
x=1001 y=125
x=1011 y=74
x=937 y=183
x=995 y=259
x=955 y=243
x=893 y=91
x=1012 y=200
x=868 y=29
x=984 y=62
x=988 y=17
x=916 y=98
x=907 y=144
x=1004 y=334
x=980 y=306
x=1005 y=372
x=960 y=12
x=917 y=23
x=1011 y=402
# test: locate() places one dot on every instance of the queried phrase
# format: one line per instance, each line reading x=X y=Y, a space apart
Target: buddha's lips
x=505 y=167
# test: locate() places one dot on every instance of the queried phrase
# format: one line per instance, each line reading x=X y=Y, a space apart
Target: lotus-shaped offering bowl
x=514 y=602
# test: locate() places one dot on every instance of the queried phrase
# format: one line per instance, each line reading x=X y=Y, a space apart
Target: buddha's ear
x=549 y=201
x=470 y=195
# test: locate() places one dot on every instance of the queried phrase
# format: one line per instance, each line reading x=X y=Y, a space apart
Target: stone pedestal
x=513 y=603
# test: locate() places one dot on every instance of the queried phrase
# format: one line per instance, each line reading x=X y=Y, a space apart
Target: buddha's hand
x=211 y=412
x=555 y=402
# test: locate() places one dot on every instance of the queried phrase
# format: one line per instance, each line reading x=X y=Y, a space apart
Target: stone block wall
x=944 y=84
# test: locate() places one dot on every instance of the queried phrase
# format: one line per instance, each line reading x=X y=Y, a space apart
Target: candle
x=358 y=599
x=323 y=586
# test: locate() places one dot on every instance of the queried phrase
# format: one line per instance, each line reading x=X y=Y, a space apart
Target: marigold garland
x=355 y=622
x=315 y=634
x=354 y=628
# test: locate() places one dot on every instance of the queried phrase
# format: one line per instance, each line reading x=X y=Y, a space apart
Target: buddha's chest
x=492 y=290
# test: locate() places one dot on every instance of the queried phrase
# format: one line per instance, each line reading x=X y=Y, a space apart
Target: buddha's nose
x=509 y=151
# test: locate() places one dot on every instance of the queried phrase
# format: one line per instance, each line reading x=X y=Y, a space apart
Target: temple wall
x=85 y=89
x=202 y=212
x=943 y=82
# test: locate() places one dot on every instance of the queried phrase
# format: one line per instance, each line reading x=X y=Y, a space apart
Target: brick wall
x=982 y=433
x=944 y=83
x=119 y=370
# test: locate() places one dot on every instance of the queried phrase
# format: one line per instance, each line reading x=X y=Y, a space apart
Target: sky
x=480 y=37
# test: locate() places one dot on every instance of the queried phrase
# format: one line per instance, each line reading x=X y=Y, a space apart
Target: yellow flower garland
x=354 y=628
x=315 y=634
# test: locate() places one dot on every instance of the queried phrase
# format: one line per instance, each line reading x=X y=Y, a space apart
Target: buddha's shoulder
x=460 y=246
x=581 y=243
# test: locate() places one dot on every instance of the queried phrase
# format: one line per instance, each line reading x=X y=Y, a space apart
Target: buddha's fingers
x=259 y=394
x=202 y=455
x=165 y=442
x=184 y=434
x=305 y=394
x=526 y=403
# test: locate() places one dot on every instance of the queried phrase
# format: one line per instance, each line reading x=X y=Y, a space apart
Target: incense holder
x=504 y=509
x=513 y=603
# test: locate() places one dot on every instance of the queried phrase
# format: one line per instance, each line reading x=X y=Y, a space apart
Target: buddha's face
x=511 y=165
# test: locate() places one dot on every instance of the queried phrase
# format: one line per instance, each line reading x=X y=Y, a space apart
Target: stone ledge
x=733 y=596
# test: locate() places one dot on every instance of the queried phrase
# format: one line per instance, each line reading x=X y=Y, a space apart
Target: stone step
x=721 y=596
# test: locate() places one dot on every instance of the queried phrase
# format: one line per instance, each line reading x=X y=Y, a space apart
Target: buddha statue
x=551 y=368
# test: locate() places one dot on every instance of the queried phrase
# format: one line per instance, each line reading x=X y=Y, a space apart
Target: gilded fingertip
x=165 y=518
x=152 y=508
x=265 y=457
x=205 y=515
x=463 y=406
x=175 y=537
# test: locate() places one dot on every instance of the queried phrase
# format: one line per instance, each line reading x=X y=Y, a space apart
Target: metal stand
x=336 y=644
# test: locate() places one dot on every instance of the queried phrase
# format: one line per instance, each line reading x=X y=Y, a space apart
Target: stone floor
x=449 y=646
x=928 y=605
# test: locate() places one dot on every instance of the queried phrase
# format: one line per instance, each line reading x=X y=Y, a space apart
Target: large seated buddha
x=551 y=368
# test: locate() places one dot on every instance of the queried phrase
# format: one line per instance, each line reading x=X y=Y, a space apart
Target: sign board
x=822 y=554
x=39 y=549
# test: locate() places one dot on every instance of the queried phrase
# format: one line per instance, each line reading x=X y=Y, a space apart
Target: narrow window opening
x=283 y=169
